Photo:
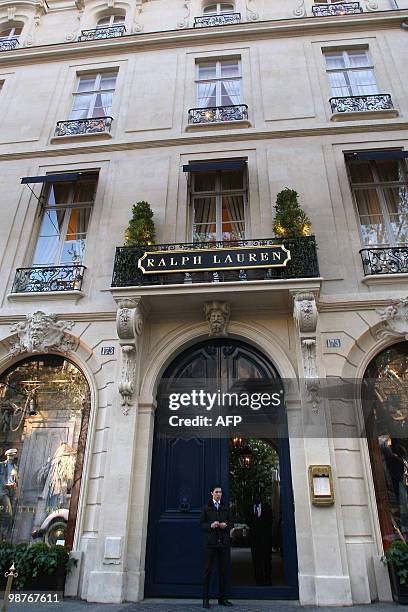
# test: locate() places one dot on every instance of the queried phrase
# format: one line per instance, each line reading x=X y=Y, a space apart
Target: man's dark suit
x=217 y=544
x=260 y=537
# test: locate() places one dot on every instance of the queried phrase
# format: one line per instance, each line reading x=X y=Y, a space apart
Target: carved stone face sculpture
x=217 y=315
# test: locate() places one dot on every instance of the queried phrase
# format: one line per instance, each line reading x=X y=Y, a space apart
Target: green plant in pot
x=140 y=230
x=39 y=565
x=396 y=557
x=291 y=221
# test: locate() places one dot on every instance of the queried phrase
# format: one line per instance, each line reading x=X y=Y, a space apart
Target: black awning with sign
x=238 y=164
x=374 y=155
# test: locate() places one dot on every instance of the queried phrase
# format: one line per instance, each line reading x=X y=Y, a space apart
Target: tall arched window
x=385 y=402
x=44 y=413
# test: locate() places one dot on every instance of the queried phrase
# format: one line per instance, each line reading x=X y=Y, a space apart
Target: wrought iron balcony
x=342 y=8
x=50 y=278
x=303 y=263
x=218 y=114
x=74 y=127
x=8 y=44
x=99 y=33
x=352 y=104
x=215 y=20
x=385 y=260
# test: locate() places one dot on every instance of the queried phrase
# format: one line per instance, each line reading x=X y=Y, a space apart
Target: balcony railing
x=342 y=8
x=385 y=260
x=218 y=114
x=215 y=20
x=99 y=33
x=303 y=264
x=50 y=278
x=74 y=127
x=352 y=104
x=8 y=44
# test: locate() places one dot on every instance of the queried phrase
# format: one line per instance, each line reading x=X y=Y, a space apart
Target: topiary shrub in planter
x=291 y=221
x=140 y=230
x=39 y=566
x=396 y=557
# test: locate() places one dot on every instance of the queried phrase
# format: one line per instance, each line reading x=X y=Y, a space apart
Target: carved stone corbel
x=252 y=14
x=305 y=316
x=186 y=19
x=39 y=12
x=371 y=5
x=129 y=325
x=394 y=320
x=137 y=25
x=300 y=10
x=80 y=6
x=11 y=13
x=217 y=315
x=41 y=333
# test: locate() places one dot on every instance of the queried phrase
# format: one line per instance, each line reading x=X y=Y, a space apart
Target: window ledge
x=79 y=137
x=218 y=125
x=374 y=114
x=385 y=279
x=36 y=296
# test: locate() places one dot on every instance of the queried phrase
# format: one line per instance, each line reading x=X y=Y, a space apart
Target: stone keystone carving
x=394 y=320
x=129 y=325
x=305 y=312
x=217 y=315
x=41 y=333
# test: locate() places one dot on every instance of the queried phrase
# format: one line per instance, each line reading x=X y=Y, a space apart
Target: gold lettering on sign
x=240 y=257
x=184 y=260
x=228 y=259
x=276 y=256
x=172 y=262
x=216 y=259
x=150 y=263
x=197 y=260
x=264 y=256
x=252 y=257
x=162 y=263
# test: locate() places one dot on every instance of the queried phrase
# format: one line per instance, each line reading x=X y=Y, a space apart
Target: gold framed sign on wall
x=321 y=485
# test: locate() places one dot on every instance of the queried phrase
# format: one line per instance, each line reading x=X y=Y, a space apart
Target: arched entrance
x=385 y=405
x=263 y=561
x=44 y=415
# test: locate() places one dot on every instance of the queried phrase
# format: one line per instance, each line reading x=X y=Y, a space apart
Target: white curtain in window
x=206 y=95
x=364 y=82
x=339 y=85
x=233 y=89
x=103 y=104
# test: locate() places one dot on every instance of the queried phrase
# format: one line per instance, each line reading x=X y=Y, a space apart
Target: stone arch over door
x=40 y=334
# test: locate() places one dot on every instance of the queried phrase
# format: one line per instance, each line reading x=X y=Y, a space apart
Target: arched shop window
x=44 y=414
x=385 y=395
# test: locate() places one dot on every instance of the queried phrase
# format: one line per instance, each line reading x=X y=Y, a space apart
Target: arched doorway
x=385 y=405
x=44 y=415
x=185 y=468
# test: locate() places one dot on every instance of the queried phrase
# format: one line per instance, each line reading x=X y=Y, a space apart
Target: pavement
x=183 y=605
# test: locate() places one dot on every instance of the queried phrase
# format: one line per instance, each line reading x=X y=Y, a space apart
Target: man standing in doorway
x=216 y=522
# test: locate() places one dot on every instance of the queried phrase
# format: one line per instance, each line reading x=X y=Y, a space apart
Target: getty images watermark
x=218 y=400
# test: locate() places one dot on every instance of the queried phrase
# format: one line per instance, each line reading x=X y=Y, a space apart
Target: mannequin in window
x=8 y=488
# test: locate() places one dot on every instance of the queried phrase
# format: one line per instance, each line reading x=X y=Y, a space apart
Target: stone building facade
x=206 y=110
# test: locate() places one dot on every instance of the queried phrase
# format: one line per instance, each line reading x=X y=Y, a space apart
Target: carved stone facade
x=394 y=320
x=42 y=333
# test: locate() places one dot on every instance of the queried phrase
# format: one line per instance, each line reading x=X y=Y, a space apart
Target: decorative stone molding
x=80 y=6
x=300 y=10
x=371 y=5
x=129 y=325
x=252 y=14
x=42 y=333
x=42 y=9
x=217 y=315
x=309 y=357
x=137 y=25
x=305 y=313
x=186 y=19
x=394 y=320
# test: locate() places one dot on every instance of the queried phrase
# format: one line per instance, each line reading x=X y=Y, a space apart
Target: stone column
x=323 y=570
x=107 y=582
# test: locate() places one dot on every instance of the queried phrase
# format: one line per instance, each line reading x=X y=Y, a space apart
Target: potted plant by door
x=396 y=557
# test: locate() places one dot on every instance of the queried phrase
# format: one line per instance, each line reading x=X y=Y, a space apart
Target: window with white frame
x=94 y=95
x=380 y=190
x=65 y=220
x=11 y=32
x=350 y=73
x=218 y=8
x=219 y=83
x=218 y=203
x=111 y=21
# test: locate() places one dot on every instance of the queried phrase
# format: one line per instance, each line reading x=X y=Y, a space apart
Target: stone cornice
x=77 y=317
x=355 y=303
x=208 y=138
x=204 y=36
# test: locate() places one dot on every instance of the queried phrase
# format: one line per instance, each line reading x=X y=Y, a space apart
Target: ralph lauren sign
x=201 y=260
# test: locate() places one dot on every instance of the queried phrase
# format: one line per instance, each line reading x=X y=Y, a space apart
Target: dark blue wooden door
x=183 y=472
